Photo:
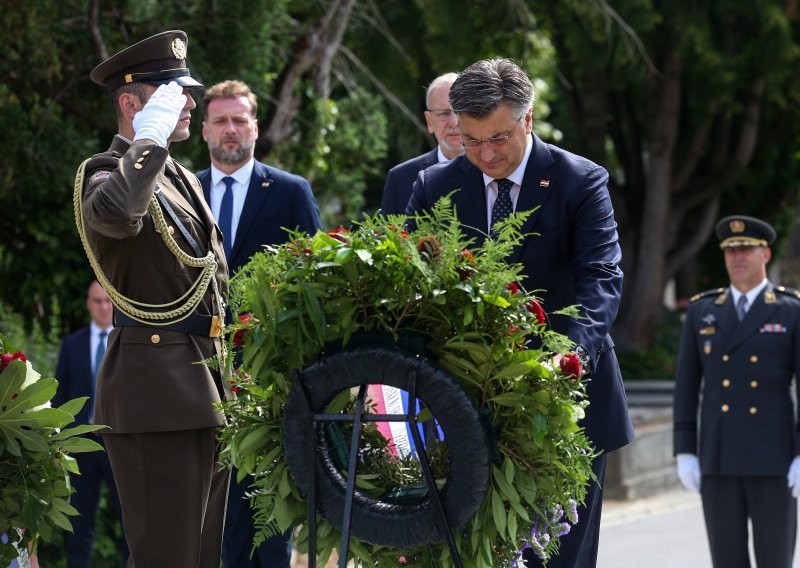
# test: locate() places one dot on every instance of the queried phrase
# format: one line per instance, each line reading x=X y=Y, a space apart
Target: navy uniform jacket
x=276 y=200
x=400 y=180
x=74 y=372
x=573 y=257
x=747 y=423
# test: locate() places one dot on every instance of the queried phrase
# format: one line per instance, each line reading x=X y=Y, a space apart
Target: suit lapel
x=754 y=318
x=257 y=193
x=470 y=202
x=537 y=186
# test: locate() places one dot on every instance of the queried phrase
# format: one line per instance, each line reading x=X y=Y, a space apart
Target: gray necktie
x=741 y=307
x=503 y=207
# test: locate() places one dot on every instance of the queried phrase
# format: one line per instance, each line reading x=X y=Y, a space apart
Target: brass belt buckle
x=216 y=327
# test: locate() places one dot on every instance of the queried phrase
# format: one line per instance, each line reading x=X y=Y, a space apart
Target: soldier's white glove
x=160 y=115
x=689 y=472
x=794 y=477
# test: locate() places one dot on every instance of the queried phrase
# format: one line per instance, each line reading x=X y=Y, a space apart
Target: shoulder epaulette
x=788 y=291
x=706 y=293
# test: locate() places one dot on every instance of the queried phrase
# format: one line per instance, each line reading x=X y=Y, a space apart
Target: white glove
x=689 y=472
x=794 y=477
x=159 y=117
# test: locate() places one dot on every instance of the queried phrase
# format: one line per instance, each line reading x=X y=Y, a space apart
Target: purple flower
x=572 y=511
x=559 y=529
x=558 y=512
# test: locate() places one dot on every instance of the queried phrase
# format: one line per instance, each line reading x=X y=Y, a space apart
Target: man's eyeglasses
x=441 y=113
x=494 y=142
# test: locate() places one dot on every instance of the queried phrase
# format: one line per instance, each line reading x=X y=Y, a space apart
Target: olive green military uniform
x=748 y=432
x=153 y=390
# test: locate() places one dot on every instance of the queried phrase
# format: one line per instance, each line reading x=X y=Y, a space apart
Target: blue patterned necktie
x=226 y=215
x=503 y=207
x=741 y=307
x=98 y=354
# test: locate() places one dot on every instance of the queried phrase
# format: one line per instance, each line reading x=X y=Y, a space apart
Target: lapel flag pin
x=265 y=184
x=544 y=183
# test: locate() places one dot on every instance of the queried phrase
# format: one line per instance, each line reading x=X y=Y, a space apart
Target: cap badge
x=737 y=226
x=178 y=48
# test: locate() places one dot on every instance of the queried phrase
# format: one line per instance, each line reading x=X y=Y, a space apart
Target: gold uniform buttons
x=726 y=383
x=140 y=160
x=754 y=358
x=753 y=384
x=753 y=410
x=725 y=408
x=171 y=230
x=137 y=165
x=155 y=338
x=726 y=358
x=145 y=152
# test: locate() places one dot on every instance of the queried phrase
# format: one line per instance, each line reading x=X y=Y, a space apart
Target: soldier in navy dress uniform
x=742 y=345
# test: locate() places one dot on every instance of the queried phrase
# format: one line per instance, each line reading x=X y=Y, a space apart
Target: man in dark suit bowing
x=78 y=360
x=254 y=204
x=443 y=125
x=572 y=254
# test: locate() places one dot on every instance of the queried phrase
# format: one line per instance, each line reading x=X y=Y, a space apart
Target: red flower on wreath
x=338 y=234
x=238 y=337
x=465 y=272
x=513 y=288
x=234 y=388
x=6 y=358
x=428 y=247
x=571 y=366
x=534 y=307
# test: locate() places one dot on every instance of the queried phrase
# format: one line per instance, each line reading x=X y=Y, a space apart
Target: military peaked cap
x=156 y=60
x=744 y=231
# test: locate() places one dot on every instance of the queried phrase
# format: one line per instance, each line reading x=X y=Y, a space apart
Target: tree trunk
x=635 y=325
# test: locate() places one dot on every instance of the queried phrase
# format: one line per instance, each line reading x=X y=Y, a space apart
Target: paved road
x=666 y=531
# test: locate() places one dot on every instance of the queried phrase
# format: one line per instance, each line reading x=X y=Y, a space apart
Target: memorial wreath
x=35 y=460
x=439 y=309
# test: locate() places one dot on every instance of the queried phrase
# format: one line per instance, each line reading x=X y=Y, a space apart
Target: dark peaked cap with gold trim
x=156 y=60
x=744 y=231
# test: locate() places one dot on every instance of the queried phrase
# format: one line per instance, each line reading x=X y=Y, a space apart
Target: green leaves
x=318 y=293
x=35 y=460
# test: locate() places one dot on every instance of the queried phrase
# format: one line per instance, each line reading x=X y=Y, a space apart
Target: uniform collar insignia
x=721 y=298
x=769 y=297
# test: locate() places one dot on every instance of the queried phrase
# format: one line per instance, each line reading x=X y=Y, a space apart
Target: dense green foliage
x=478 y=326
x=35 y=448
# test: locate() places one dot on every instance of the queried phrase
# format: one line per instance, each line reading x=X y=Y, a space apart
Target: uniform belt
x=195 y=324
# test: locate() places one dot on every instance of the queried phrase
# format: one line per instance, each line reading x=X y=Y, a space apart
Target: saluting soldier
x=153 y=244
x=742 y=345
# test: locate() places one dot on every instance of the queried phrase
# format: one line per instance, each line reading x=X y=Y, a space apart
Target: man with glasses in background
x=443 y=125
x=571 y=254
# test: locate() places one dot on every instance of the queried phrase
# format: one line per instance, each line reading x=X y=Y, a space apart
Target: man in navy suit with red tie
x=76 y=371
x=572 y=253
x=253 y=204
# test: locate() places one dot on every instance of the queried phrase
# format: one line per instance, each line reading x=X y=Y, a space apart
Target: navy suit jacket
x=571 y=258
x=74 y=372
x=400 y=180
x=276 y=200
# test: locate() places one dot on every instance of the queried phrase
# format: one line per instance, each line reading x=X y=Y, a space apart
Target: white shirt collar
x=752 y=294
x=96 y=329
x=440 y=156
x=242 y=175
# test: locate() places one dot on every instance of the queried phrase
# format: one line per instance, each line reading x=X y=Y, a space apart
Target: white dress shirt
x=751 y=295
x=239 y=187
x=94 y=341
x=516 y=176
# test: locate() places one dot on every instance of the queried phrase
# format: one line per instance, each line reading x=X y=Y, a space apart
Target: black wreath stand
x=357 y=419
